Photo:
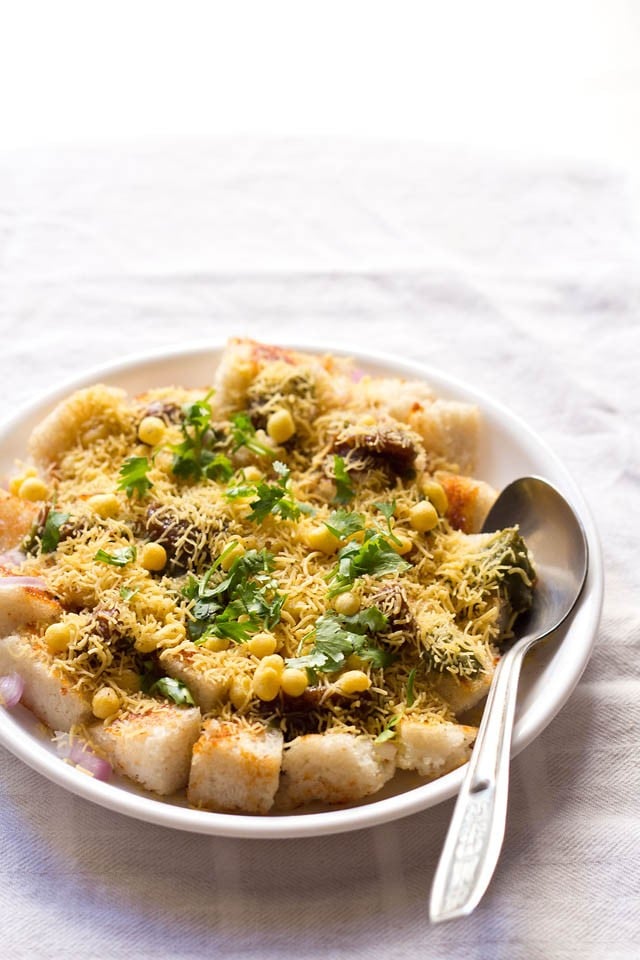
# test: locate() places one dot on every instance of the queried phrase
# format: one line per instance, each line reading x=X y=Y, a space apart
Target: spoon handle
x=476 y=831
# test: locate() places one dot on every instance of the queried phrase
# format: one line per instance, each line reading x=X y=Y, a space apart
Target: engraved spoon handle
x=476 y=831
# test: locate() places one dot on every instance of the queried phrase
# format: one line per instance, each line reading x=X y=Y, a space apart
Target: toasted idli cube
x=86 y=415
x=17 y=517
x=48 y=692
x=463 y=693
x=207 y=684
x=21 y=606
x=235 y=767
x=433 y=749
x=469 y=501
x=152 y=747
x=333 y=768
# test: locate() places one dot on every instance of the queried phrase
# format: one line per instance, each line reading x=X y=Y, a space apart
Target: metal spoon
x=557 y=541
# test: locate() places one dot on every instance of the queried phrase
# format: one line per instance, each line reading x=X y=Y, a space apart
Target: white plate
x=508 y=449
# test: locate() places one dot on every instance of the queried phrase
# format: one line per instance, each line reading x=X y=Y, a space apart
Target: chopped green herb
x=374 y=556
x=344 y=523
x=389 y=731
x=271 y=498
x=133 y=476
x=173 y=690
x=247 y=590
x=388 y=510
x=337 y=637
x=127 y=593
x=243 y=434
x=198 y=456
x=51 y=532
x=119 y=558
x=344 y=490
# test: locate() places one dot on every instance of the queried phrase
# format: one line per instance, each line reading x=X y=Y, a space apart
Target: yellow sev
x=449 y=586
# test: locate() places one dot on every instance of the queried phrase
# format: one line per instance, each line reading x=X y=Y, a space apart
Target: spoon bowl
x=557 y=541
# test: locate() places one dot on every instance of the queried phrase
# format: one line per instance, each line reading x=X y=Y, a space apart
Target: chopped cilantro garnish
x=119 y=558
x=387 y=510
x=127 y=593
x=173 y=690
x=243 y=434
x=344 y=490
x=389 y=731
x=374 y=556
x=197 y=455
x=51 y=531
x=247 y=590
x=271 y=498
x=337 y=637
x=133 y=476
x=344 y=523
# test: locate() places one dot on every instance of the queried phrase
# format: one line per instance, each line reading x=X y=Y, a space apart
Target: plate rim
x=343 y=819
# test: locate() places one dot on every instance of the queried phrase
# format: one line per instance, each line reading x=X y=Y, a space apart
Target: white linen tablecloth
x=519 y=277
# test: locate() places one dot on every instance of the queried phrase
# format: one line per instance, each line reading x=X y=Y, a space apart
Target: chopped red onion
x=357 y=375
x=12 y=581
x=79 y=752
x=12 y=558
x=11 y=689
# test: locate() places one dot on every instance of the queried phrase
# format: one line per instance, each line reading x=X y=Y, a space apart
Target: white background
x=555 y=77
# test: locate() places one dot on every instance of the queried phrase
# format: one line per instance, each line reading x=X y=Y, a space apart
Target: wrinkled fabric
x=519 y=278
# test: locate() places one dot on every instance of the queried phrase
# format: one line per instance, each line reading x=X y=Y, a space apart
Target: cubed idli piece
x=48 y=692
x=152 y=747
x=235 y=767
x=86 y=415
x=449 y=430
x=333 y=768
x=23 y=605
x=207 y=683
x=469 y=501
x=17 y=517
x=433 y=749
x=463 y=693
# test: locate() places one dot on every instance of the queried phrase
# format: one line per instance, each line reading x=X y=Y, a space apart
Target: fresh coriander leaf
x=119 y=558
x=335 y=640
x=173 y=690
x=374 y=556
x=344 y=523
x=247 y=590
x=133 y=476
x=198 y=414
x=370 y=620
x=344 y=490
x=389 y=731
x=388 y=510
x=127 y=593
x=240 y=491
x=410 y=695
x=275 y=498
x=269 y=497
x=218 y=467
x=377 y=656
x=331 y=647
x=197 y=455
x=51 y=532
x=243 y=434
